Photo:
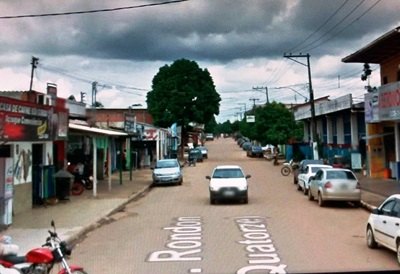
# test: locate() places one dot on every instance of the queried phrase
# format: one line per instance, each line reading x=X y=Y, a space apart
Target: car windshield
x=340 y=174
x=228 y=173
x=316 y=168
x=166 y=164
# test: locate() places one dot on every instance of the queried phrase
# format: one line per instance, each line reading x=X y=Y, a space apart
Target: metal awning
x=378 y=51
x=96 y=130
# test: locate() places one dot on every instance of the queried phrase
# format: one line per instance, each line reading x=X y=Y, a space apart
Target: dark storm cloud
x=221 y=31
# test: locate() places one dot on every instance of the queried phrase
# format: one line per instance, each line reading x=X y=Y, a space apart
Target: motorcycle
x=82 y=180
x=42 y=260
x=288 y=167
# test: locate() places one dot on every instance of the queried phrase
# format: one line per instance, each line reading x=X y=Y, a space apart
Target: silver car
x=335 y=184
x=167 y=171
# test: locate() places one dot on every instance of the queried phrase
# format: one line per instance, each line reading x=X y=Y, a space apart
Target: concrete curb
x=367 y=206
x=77 y=236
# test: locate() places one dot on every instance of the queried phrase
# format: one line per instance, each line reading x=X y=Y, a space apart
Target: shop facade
x=29 y=126
x=340 y=128
x=382 y=104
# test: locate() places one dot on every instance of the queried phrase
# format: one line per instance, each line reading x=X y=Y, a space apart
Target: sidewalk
x=375 y=191
x=81 y=214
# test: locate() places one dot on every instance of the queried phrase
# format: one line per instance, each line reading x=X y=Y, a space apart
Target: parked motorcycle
x=82 y=178
x=288 y=167
x=42 y=260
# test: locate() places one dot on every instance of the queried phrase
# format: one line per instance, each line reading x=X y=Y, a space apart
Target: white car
x=228 y=182
x=305 y=174
x=167 y=171
x=383 y=225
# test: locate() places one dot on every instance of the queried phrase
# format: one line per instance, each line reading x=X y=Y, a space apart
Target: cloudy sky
x=241 y=42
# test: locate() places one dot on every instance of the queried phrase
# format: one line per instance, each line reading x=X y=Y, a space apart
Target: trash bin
x=63 y=184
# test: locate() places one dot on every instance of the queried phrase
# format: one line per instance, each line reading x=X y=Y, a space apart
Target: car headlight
x=243 y=188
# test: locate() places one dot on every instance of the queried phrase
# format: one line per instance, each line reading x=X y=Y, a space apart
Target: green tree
x=183 y=93
x=274 y=124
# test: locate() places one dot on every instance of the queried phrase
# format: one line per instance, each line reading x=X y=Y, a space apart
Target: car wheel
x=321 y=201
x=305 y=191
x=246 y=199
x=299 y=187
x=398 y=252
x=310 y=197
x=357 y=204
x=371 y=243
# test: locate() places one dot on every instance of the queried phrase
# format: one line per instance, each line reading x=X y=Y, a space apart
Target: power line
x=336 y=25
x=102 y=84
x=89 y=11
x=343 y=29
x=320 y=27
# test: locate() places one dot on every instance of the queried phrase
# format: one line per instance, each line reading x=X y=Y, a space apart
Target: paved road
x=176 y=230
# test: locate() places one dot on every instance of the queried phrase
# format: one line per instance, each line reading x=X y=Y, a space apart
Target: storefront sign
x=389 y=102
x=130 y=123
x=24 y=121
x=371 y=101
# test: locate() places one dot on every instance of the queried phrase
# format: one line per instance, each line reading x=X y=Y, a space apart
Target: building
x=382 y=104
x=33 y=127
x=340 y=130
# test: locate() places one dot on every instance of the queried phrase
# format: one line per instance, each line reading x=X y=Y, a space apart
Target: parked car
x=301 y=167
x=167 y=171
x=209 y=137
x=255 y=151
x=246 y=146
x=228 y=182
x=195 y=155
x=204 y=151
x=304 y=176
x=383 y=225
x=335 y=184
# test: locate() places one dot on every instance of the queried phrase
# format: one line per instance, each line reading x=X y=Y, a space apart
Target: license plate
x=229 y=193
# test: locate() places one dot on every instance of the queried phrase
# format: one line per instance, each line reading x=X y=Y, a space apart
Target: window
x=387 y=207
x=228 y=173
x=396 y=209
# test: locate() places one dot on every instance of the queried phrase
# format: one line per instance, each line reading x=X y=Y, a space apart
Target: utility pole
x=94 y=91
x=34 y=63
x=254 y=101
x=312 y=105
x=266 y=92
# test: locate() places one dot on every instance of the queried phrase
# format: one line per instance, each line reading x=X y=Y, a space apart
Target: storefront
x=27 y=131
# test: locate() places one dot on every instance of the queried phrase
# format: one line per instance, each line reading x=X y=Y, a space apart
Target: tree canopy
x=274 y=124
x=183 y=93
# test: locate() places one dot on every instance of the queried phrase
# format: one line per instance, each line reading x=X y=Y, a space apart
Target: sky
x=242 y=43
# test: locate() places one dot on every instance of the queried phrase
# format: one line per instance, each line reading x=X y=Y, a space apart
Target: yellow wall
x=390 y=69
x=376 y=151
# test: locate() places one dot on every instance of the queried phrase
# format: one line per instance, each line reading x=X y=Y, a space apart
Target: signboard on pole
x=250 y=118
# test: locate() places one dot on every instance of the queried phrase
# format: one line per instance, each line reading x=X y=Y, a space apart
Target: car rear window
x=166 y=164
x=340 y=174
x=228 y=173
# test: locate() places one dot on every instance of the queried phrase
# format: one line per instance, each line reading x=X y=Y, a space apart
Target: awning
x=96 y=130
x=373 y=136
x=378 y=51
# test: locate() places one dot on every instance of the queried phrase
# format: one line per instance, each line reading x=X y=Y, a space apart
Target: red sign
x=24 y=121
